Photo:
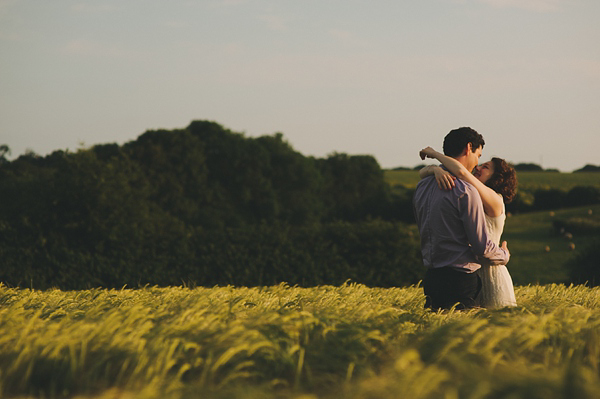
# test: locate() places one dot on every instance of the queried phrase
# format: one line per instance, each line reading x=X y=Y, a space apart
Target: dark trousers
x=445 y=287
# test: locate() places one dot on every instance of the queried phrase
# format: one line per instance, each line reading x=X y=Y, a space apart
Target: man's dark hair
x=456 y=141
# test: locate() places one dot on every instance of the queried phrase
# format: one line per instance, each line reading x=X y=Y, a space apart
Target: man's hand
x=505 y=247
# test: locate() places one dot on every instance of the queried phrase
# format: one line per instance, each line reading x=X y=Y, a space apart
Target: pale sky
x=376 y=77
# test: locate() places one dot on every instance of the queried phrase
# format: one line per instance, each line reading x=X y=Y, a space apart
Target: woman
x=496 y=182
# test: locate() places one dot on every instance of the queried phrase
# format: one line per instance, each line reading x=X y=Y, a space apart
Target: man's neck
x=462 y=159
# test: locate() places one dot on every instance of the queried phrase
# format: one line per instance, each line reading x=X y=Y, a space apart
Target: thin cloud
x=232 y=49
x=93 y=8
x=174 y=24
x=588 y=68
x=6 y=5
x=530 y=5
x=347 y=38
x=7 y=14
x=90 y=48
x=541 y=6
x=273 y=22
x=227 y=3
x=393 y=73
x=11 y=37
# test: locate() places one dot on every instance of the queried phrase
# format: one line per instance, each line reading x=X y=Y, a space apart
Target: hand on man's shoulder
x=463 y=187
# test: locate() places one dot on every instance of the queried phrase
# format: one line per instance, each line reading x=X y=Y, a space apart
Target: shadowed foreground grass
x=286 y=342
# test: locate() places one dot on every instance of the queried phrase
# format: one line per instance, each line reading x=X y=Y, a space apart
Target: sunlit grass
x=284 y=342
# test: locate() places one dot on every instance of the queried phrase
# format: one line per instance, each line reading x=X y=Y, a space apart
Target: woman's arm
x=492 y=202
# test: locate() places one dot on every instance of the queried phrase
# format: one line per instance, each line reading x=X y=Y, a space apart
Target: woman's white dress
x=497 y=290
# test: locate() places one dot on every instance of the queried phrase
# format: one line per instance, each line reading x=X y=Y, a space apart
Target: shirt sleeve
x=473 y=218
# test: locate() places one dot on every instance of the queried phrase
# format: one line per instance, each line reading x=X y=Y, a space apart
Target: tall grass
x=284 y=342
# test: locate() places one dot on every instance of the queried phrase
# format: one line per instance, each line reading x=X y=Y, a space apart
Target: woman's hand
x=445 y=179
x=427 y=152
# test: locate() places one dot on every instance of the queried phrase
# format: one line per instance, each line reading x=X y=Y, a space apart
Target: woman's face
x=484 y=171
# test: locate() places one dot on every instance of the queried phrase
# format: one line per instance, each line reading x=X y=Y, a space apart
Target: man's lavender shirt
x=450 y=220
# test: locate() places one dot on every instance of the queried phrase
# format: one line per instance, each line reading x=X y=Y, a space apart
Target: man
x=454 y=241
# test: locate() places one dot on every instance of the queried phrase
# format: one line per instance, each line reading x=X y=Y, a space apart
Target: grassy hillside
x=529 y=234
x=564 y=181
x=527 y=180
x=404 y=178
x=280 y=342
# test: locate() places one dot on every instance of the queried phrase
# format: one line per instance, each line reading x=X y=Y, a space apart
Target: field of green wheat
x=349 y=341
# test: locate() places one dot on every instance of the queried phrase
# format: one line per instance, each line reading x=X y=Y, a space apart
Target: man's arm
x=473 y=217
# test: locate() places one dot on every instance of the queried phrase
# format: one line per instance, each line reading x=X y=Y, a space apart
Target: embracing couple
x=459 y=207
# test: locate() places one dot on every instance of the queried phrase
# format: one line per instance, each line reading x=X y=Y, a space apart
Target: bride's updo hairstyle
x=504 y=180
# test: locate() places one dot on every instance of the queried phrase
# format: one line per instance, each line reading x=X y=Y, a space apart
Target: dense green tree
x=295 y=179
x=354 y=187
x=4 y=150
x=201 y=204
x=174 y=165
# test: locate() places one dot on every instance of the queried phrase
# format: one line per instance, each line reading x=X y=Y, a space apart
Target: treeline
x=589 y=168
x=201 y=205
x=532 y=167
x=523 y=167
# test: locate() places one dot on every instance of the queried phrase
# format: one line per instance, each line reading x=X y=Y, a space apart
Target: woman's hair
x=504 y=180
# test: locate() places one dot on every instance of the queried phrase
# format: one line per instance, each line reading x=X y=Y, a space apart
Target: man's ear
x=469 y=148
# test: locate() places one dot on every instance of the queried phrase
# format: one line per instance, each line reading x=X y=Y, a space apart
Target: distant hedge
x=588 y=168
x=554 y=198
x=374 y=253
x=585 y=268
